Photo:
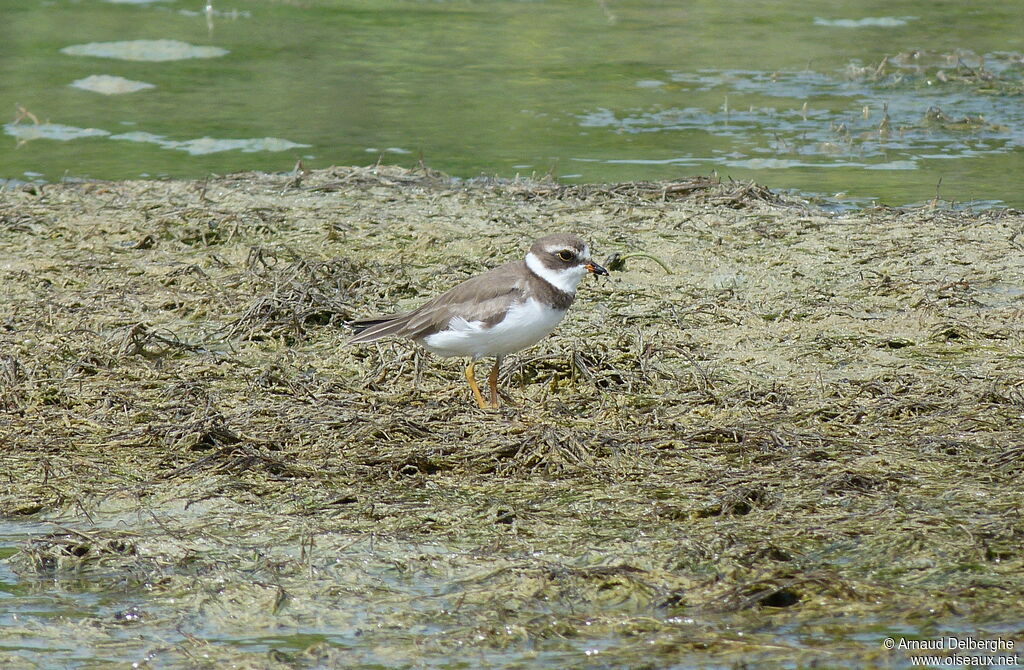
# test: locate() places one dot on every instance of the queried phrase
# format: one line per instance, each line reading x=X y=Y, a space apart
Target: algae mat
x=800 y=436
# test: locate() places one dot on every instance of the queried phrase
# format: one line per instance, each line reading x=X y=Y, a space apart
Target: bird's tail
x=368 y=330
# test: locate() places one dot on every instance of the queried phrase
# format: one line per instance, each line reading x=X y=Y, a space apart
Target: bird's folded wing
x=484 y=298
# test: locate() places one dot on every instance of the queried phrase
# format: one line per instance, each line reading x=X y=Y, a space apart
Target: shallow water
x=787 y=94
x=374 y=616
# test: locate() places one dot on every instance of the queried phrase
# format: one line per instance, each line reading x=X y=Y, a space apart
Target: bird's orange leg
x=492 y=380
x=471 y=378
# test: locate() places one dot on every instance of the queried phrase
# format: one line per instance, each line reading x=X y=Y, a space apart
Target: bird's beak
x=595 y=268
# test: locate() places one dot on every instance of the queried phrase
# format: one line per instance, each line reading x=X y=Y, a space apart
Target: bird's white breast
x=525 y=324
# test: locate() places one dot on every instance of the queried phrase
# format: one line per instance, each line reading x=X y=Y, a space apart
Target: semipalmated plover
x=495 y=313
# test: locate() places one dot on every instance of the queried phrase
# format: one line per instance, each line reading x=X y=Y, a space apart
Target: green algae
x=803 y=439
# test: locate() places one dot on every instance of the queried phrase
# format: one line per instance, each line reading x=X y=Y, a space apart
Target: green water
x=584 y=90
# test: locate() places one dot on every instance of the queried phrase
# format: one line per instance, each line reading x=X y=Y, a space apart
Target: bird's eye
x=565 y=255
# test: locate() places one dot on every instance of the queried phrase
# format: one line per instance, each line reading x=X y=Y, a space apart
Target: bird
x=494 y=314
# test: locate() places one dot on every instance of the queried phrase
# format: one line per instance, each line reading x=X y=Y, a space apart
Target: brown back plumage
x=484 y=297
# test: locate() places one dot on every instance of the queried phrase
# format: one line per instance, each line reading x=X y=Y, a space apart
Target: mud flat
x=776 y=433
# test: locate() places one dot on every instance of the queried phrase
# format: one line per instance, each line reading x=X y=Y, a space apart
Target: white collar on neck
x=565 y=280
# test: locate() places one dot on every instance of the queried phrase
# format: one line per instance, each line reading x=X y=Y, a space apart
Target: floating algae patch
x=901 y=113
x=211 y=145
x=144 y=50
x=109 y=84
x=775 y=434
x=50 y=131
x=868 y=22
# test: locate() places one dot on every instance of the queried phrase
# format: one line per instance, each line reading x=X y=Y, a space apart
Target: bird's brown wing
x=485 y=298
